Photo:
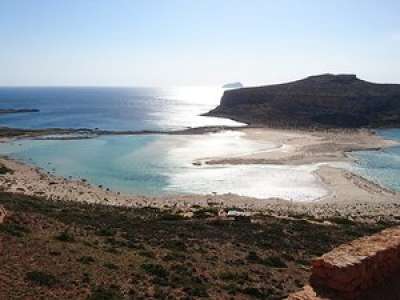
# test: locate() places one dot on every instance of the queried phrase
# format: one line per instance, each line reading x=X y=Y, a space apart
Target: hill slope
x=317 y=101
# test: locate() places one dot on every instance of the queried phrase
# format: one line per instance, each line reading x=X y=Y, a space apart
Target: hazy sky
x=193 y=42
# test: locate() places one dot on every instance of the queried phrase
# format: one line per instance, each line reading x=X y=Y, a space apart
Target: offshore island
x=116 y=245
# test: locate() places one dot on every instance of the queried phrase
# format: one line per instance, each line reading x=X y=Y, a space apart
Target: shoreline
x=74 y=133
x=350 y=195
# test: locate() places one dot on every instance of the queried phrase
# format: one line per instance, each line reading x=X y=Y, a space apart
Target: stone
x=307 y=293
x=355 y=269
x=3 y=214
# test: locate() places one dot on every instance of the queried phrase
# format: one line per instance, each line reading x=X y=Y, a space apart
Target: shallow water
x=163 y=164
x=382 y=167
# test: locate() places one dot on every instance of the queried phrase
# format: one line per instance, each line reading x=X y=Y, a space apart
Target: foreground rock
x=3 y=214
x=356 y=270
x=317 y=101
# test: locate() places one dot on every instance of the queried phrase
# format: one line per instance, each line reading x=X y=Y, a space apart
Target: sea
x=383 y=166
x=159 y=164
x=112 y=108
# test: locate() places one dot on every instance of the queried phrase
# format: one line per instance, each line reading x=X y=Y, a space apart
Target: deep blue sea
x=112 y=108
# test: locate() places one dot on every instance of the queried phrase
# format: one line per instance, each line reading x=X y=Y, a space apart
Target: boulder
x=307 y=293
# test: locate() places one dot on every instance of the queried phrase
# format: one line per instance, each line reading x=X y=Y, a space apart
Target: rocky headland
x=322 y=101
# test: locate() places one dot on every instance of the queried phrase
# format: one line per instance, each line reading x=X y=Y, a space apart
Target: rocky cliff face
x=317 y=101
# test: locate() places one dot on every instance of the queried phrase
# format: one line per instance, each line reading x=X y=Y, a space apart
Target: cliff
x=318 y=101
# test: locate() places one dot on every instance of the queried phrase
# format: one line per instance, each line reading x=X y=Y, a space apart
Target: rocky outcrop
x=318 y=101
x=307 y=293
x=3 y=214
x=355 y=270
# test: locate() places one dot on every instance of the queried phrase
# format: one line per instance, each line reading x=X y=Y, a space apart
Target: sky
x=190 y=42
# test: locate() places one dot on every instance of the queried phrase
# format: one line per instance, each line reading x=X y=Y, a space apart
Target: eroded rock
x=359 y=265
x=353 y=269
x=3 y=214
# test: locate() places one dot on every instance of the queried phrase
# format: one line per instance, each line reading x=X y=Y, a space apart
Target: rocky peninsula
x=322 y=101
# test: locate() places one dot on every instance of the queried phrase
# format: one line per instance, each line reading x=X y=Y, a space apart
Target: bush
x=14 y=229
x=86 y=260
x=204 y=213
x=65 y=237
x=106 y=232
x=155 y=270
x=5 y=170
x=253 y=257
x=233 y=276
x=111 y=266
x=171 y=217
x=197 y=291
x=274 y=262
x=254 y=292
x=42 y=278
x=103 y=293
x=176 y=245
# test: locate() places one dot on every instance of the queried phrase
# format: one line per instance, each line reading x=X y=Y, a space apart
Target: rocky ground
x=70 y=250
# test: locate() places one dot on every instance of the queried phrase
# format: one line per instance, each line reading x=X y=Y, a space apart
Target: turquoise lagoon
x=382 y=167
x=163 y=164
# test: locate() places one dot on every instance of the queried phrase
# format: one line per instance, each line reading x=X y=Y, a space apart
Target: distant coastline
x=233 y=85
x=18 y=111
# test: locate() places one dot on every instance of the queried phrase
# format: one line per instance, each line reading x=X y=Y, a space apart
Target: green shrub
x=103 y=293
x=197 y=291
x=253 y=257
x=111 y=266
x=106 y=232
x=14 y=229
x=65 y=237
x=175 y=245
x=5 y=170
x=155 y=270
x=42 y=278
x=86 y=260
x=254 y=292
x=171 y=217
x=274 y=262
x=233 y=276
